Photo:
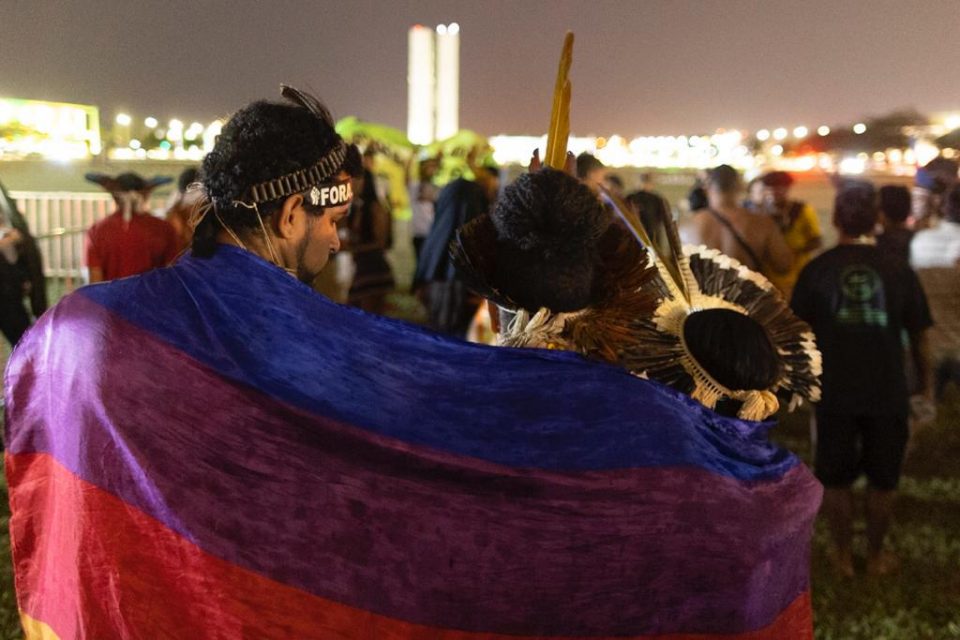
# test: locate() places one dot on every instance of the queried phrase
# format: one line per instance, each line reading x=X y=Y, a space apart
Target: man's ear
x=286 y=218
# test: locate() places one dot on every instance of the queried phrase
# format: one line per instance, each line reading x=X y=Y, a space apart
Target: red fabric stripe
x=91 y=566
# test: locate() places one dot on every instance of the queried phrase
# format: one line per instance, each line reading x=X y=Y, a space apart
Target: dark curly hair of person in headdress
x=548 y=227
x=263 y=141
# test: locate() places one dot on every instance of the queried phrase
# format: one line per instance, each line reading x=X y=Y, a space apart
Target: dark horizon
x=649 y=68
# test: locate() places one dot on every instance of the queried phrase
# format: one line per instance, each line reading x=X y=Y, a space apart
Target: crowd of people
x=721 y=319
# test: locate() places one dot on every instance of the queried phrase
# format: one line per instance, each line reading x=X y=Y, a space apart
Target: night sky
x=643 y=67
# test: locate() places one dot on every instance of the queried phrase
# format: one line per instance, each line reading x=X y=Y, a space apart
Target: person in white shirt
x=939 y=246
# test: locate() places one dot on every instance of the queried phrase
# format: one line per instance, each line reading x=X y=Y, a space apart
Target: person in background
x=697 y=197
x=591 y=171
x=859 y=302
x=130 y=240
x=647 y=181
x=182 y=206
x=894 y=211
x=370 y=234
x=935 y=255
x=931 y=184
x=756 y=199
x=939 y=246
x=21 y=272
x=450 y=305
x=798 y=222
x=753 y=240
x=614 y=184
x=423 y=196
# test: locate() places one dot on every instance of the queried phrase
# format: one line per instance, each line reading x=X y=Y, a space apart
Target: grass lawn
x=921 y=603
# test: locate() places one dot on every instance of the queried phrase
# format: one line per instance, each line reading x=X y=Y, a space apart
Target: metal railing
x=58 y=220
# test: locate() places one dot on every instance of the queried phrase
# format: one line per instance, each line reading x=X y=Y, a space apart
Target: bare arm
x=777 y=254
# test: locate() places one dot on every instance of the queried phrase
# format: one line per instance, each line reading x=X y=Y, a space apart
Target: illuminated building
x=433 y=83
x=54 y=130
x=420 y=85
x=448 y=80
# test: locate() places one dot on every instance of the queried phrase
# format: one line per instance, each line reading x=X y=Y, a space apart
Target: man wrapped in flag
x=212 y=450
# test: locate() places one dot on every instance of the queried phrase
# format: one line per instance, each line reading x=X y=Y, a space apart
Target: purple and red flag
x=214 y=451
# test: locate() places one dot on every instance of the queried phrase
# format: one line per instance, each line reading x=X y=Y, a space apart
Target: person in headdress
x=130 y=240
x=565 y=274
x=241 y=457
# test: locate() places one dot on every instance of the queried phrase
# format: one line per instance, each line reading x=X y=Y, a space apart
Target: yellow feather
x=559 y=131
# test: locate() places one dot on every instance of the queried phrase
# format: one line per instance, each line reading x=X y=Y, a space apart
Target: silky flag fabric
x=215 y=451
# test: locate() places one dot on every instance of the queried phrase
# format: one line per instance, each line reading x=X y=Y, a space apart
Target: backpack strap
x=757 y=264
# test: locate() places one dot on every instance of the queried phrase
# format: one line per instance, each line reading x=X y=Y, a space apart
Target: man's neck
x=254 y=243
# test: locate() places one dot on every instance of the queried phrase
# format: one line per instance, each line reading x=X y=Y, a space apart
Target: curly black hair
x=262 y=141
x=548 y=226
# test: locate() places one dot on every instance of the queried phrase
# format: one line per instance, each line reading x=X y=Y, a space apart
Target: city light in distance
x=800 y=132
x=859 y=128
x=442 y=29
x=763 y=135
x=150 y=122
x=453 y=28
x=779 y=134
x=135 y=144
x=123 y=119
x=823 y=130
x=777 y=150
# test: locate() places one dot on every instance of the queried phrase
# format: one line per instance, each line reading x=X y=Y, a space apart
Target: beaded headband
x=301 y=180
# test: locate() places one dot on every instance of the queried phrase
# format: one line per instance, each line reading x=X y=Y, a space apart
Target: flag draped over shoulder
x=214 y=451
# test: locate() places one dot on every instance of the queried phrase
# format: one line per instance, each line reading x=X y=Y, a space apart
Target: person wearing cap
x=131 y=240
x=798 y=222
x=859 y=302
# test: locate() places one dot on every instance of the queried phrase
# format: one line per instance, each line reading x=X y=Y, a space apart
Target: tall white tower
x=420 y=85
x=433 y=82
x=448 y=80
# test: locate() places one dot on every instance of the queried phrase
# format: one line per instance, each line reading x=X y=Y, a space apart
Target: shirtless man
x=754 y=240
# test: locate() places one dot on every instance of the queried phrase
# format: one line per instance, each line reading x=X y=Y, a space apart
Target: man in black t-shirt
x=859 y=302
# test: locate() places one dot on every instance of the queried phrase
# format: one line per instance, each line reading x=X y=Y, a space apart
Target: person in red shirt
x=130 y=240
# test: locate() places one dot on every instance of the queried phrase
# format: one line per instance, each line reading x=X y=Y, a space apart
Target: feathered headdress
x=130 y=191
x=622 y=291
x=631 y=302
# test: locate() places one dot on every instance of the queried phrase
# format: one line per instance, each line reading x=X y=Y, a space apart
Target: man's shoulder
x=106 y=224
x=153 y=222
x=828 y=258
